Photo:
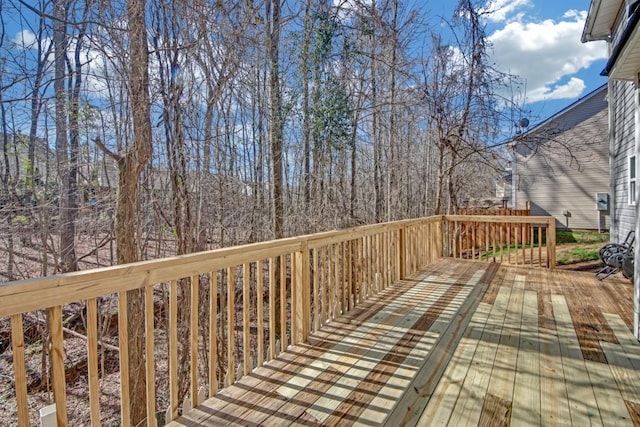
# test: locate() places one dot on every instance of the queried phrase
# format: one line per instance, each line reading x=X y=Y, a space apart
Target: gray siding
x=563 y=164
x=623 y=110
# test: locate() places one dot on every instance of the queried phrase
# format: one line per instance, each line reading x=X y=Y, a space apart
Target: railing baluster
x=213 y=333
x=19 y=370
x=531 y=242
x=92 y=361
x=333 y=280
x=539 y=245
x=246 y=318
x=524 y=239
x=551 y=243
x=150 y=371
x=343 y=291
x=283 y=303
x=123 y=344
x=231 y=326
x=272 y=308
x=260 y=310
x=193 y=331
x=316 y=288
x=173 y=348
x=57 y=364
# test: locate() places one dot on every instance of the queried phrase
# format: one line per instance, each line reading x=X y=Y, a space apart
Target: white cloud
x=500 y=10
x=25 y=39
x=545 y=54
x=571 y=89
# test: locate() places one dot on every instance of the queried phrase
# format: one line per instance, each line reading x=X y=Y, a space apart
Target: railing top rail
x=37 y=293
x=501 y=219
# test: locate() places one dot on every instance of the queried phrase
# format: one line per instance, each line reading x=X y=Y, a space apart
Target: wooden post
x=301 y=288
x=231 y=325
x=316 y=289
x=213 y=333
x=246 y=318
x=551 y=243
x=272 y=308
x=260 y=311
x=92 y=356
x=283 y=303
x=193 y=347
x=20 y=376
x=123 y=344
x=150 y=370
x=173 y=349
x=400 y=254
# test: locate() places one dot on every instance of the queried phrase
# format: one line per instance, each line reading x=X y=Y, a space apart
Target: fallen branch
x=77 y=335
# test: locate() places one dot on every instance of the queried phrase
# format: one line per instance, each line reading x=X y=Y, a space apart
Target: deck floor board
x=461 y=343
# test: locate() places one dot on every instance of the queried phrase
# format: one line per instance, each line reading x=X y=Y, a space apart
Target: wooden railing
x=520 y=240
x=234 y=322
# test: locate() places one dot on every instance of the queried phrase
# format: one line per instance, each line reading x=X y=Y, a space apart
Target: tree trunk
x=276 y=135
x=127 y=228
x=66 y=208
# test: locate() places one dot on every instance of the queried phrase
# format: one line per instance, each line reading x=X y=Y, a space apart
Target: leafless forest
x=134 y=130
x=259 y=120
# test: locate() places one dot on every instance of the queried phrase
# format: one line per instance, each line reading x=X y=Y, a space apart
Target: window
x=633 y=187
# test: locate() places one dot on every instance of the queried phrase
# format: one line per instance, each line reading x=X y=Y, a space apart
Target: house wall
x=562 y=166
x=623 y=111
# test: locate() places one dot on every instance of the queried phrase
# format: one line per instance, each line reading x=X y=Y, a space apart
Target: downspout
x=613 y=222
x=514 y=177
x=636 y=273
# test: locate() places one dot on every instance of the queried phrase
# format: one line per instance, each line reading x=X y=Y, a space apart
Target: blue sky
x=539 y=40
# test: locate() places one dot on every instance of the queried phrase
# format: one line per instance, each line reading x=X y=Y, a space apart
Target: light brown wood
x=551 y=244
x=123 y=344
x=193 y=337
x=526 y=394
x=19 y=371
x=246 y=319
x=305 y=282
x=150 y=371
x=343 y=278
x=333 y=367
x=356 y=264
x=324 y=283
x=283 y=303
x=539 y=245
x=57 y=365
x=296 y=299
x=231 y=326
x=272 y=308
x=173 y=348
x=400 y=254
x=213 y=333
x=260 y=311
x=316 y=289
x=582 y=400
x=34 y=294
x=92 y=361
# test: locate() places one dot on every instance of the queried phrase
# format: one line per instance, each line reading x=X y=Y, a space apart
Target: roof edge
x=571 y=106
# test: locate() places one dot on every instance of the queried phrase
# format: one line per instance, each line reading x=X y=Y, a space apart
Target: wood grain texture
x=522 y=336
x=57 y=365
x=19 y=371
x=92 y=361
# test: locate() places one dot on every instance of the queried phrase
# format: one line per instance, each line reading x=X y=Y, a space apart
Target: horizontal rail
x=227 y=311
x=515 y=240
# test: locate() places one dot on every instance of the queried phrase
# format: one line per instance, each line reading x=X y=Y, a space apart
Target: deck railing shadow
x=244 y=305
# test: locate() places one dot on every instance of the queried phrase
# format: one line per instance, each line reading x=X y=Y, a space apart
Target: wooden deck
x=464 y=343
